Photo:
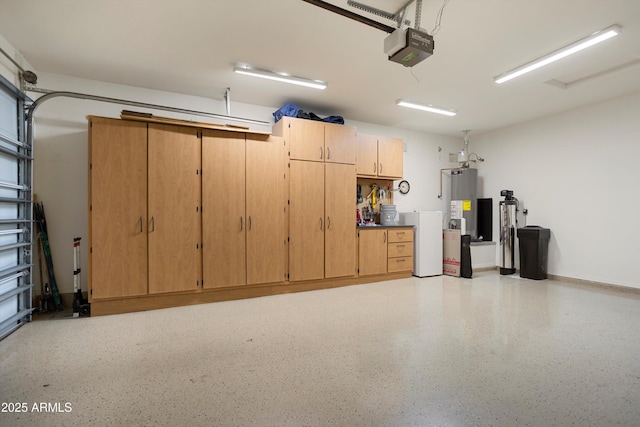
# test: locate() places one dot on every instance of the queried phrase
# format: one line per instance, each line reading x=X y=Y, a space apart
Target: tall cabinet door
x=340 y=208
x=223 y=209
x=118 y=208
x=174 y=208
x=265 y=209
x=306 y=220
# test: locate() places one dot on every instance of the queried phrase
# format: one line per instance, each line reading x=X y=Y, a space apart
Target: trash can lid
x=534 y=232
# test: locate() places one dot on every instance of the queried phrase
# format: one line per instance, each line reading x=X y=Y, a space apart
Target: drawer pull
x=400 y=260
x=400 y=234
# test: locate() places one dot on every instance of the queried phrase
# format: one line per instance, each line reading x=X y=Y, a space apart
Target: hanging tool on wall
x=373 y=196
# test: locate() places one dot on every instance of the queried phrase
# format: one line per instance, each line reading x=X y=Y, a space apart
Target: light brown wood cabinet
x=243 y=209
x=147 y=209
x=317 y=141
x=306 y=220
x=379 y=157
x=322 y=240
x=174 y=199
x=372 y=251
x=223 y=209
x=118 y=217
x=400 y=249
x=339 y=206
x=186 y=213
x=265 y=209
x=144 y=208
x=322 y=181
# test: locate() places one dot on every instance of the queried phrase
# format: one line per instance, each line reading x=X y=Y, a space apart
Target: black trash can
x=534 y=251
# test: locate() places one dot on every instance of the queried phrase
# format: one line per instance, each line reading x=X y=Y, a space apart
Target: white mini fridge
x=427 y=243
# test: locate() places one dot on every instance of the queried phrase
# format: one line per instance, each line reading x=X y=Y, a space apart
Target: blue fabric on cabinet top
x=292 y=110
x=289 y=110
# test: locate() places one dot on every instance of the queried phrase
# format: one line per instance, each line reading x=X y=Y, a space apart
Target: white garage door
x=15 y=211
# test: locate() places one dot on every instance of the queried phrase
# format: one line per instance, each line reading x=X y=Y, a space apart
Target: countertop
x=377 y=226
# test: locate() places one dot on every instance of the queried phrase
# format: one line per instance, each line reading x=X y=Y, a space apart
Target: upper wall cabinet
x=379 y=157
x=318 y=141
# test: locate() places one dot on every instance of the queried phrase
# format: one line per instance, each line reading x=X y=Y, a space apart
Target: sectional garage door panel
x=15 y=212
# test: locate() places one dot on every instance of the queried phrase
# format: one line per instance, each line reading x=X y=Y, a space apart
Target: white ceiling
x=191 y=46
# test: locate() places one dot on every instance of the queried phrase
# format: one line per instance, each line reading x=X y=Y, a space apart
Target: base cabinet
x=372 y=251
x=400 y=250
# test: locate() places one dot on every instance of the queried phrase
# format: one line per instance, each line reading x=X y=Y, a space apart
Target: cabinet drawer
x=404 y=263
x=400 y=235
x=395 y=250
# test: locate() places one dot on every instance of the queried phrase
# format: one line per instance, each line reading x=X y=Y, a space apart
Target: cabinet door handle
x=328 y=220
x=320 y=223
x=153 y=224
x=241 y=225
x=375 y=167
x=249 y=222
x=380 y=168
x=321 y=153
x=385 y=237
x=141 y=224
x=328 y=153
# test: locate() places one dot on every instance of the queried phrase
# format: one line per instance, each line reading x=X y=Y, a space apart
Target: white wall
x=577 y=174
x=61 y=157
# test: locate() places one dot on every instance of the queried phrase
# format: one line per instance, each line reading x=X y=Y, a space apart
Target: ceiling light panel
x=429 y=108
x=554 y=56
x=280 y=77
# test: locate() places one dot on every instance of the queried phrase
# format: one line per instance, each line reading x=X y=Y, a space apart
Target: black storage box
x=534 y=251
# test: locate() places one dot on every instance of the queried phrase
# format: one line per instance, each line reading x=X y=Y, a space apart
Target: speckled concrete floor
x=494 y=350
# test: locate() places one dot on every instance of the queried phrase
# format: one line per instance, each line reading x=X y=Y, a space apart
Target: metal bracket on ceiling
x=398 y=17
x=26 y=76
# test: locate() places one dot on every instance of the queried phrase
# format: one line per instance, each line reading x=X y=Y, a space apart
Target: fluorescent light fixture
x=280 y=77
x=429 y=108
x=570 y=49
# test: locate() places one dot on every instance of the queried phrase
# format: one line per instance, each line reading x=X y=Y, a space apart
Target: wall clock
x=404 y=187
